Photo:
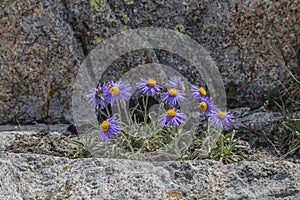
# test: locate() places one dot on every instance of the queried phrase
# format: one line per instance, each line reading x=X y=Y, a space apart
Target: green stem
x=127 y=114
x=128 y=142
x=145 y=108
x=119 y=110
x=107 y=115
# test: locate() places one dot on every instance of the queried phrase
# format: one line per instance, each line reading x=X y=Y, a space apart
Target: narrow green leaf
x=295 y=146
x=289 y=126
x=298 y=125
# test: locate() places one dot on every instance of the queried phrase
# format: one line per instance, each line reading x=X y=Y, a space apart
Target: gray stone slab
x=33 y=176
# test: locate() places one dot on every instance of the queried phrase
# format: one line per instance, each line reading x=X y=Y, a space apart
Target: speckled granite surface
x=33 y=176
x=42 y=44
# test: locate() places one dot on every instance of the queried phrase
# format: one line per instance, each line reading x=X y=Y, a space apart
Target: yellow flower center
x=105 y=126
x=202 y=91
x=151 y=82
x=114 y=91
x=203 y=106
x=173 y=92
x=221 y=115
x=171 y=113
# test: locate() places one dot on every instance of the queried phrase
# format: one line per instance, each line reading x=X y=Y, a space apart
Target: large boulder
x=43 y=43
x=39 y=60
x=33 y=176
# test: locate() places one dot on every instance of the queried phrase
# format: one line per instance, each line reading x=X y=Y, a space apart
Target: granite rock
x=33 y=176
x=43 y=43
x=39 y=60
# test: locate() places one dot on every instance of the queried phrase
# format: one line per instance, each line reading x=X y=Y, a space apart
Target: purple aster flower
x=173 y=97
x=148 y=87
x=108 y=128
x=172 y=118
x=198 y=92
x=96 y=96
x=117 y=91
x=176 y=82
x=206 y=106
x=221 y=119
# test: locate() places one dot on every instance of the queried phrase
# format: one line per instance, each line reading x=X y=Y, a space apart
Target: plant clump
x=157 y=130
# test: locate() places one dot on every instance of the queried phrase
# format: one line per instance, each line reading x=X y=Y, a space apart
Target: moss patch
x=97 y=5
x=124 y=17
x=179 y=28
x=97 y=40
x=129 y=2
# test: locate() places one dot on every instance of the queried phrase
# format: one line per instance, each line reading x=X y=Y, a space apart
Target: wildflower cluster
x=104 y=95
x=219 y=119
x=109 y=93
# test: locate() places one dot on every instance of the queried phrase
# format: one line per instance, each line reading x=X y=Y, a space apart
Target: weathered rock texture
x=39 y=59
x=32 y=176
x=34 y=165
x=43 y=42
